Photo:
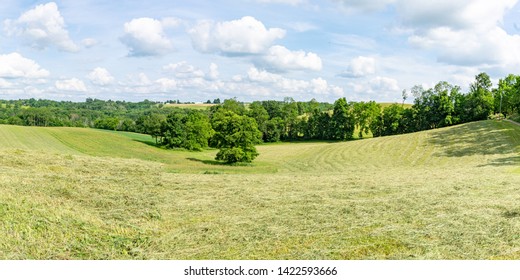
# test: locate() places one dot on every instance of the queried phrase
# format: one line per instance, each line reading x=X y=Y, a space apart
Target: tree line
x=235 y=127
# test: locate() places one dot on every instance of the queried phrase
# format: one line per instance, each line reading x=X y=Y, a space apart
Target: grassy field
x=71 y=193
x=388 y=104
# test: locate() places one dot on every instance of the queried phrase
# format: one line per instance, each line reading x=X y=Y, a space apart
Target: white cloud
x=100 y=76
x=262 y=76
x=278 y=84
x=359 y=67
x=492 y=48
x=384 y=84
x=281 y=59
x=464 y=32
x=183 y=70
x=244 y=36
x=166 y=84
x=73 y=84
x=42 y=26
x=319 y=86
x=140 y=80
x=14 y=65
x=461 y=14
x=146 y=37
x=213 y=71
x=378 y=88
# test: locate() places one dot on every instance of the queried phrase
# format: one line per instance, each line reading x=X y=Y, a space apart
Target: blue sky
x=251 y=49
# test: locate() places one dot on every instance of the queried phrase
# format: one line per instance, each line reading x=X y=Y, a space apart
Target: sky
x=201 y=50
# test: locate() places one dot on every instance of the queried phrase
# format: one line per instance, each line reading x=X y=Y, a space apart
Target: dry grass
x=444 y=194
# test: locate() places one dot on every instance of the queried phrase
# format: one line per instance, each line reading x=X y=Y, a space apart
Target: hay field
x=452 y=193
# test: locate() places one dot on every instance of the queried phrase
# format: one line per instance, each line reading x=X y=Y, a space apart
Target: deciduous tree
x=235 y=136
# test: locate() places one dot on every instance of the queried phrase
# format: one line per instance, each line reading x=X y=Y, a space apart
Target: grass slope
x=451 y=193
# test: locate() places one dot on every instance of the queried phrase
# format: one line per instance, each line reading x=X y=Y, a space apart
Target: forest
x=235 y=127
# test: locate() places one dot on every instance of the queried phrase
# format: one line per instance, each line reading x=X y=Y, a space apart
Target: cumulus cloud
x=281 y=84
x=73 y=84
x=187 y=75
x=140 y=79
x=322 y=87
x=463 y=14
x=100 y=76
x=382 y=87
x=359 y=67
x=256 y=83
x=384 y=84
x=237 y=37
x=166 y=85
x=263 y=76
x=146 y=37
x=464 y=32
x=495 y=47
x=14 y=65
x=42 y=27
x=280 y=58
x=183 y=70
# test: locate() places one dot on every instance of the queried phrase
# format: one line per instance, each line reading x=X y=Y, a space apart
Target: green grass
x=451 y=193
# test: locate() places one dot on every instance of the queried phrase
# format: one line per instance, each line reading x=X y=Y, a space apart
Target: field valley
x=74 y=193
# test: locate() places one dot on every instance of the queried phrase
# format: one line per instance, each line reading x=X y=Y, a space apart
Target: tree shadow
x=149 y=143
x=478 y=138
x=220 y=163
x=209 y=162
x=507 y=161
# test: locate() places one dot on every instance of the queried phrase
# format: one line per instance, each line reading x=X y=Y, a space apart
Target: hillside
x=451 y=193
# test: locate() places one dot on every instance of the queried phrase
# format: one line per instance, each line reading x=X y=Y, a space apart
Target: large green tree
x=480 y=101
x=259 y=113
x=507 y=95
x=365 y=113
x=232 y=105
x=392 y=120
x=190 y=130
x=151 y=124
x=343 y=121
x=235 y=137
x=274 y=128
x=435 y=107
